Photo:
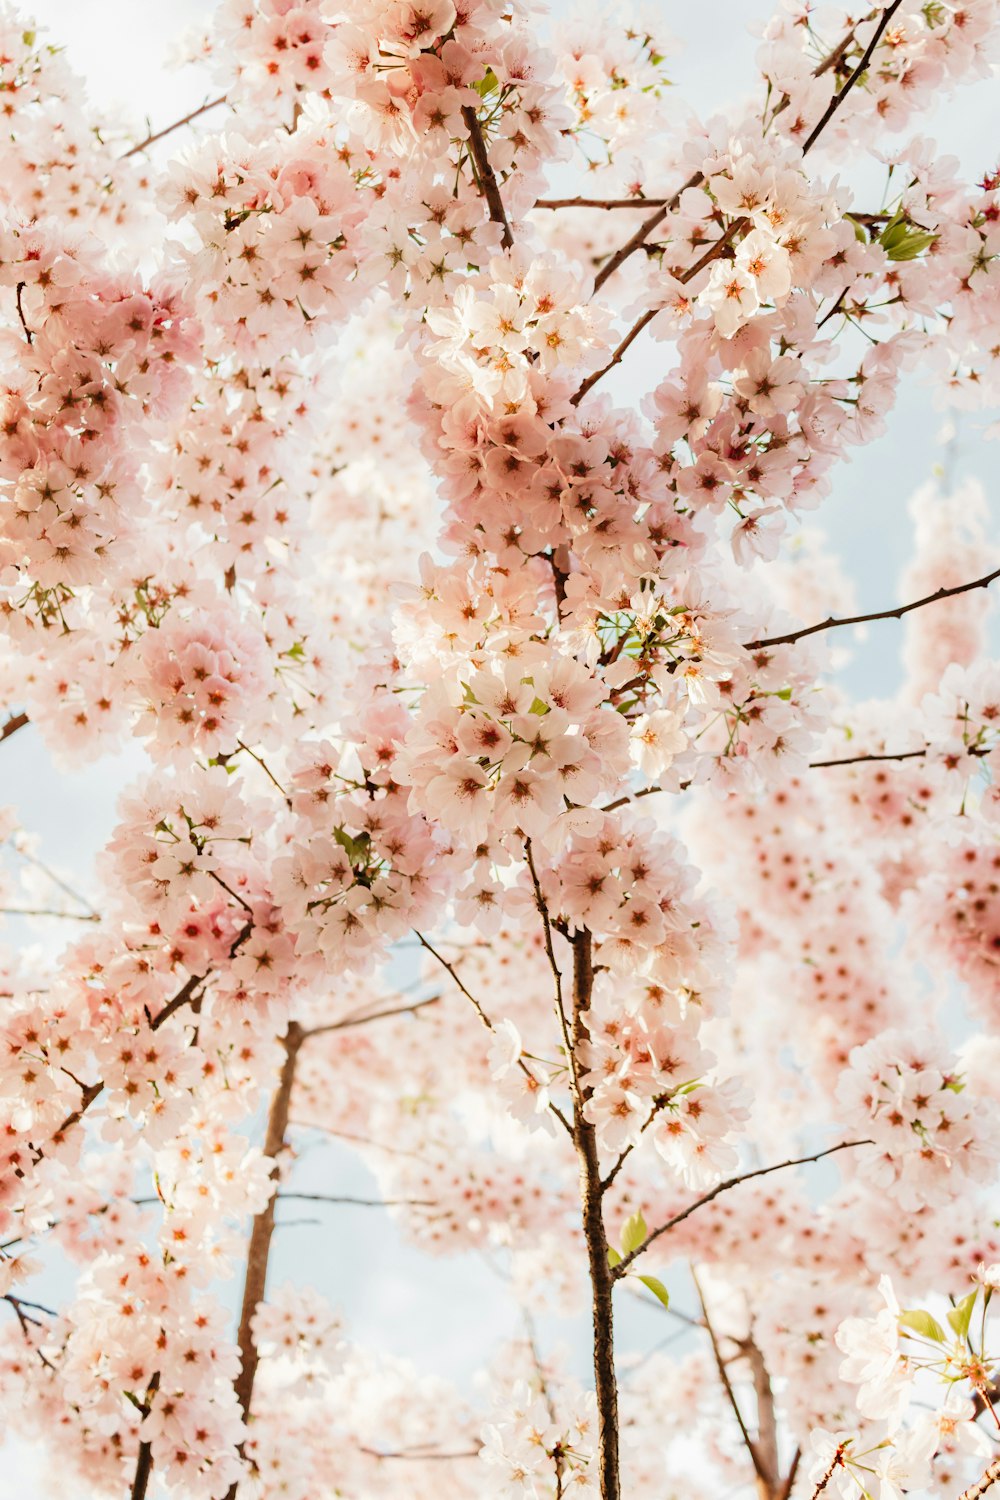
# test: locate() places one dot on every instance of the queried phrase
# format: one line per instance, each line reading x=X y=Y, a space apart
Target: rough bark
x=591 y=1193
x=259 y=1248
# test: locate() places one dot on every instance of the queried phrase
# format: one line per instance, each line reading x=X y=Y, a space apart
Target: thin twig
x=600 y=202
x=44 y=911
x=832 y=623
x=168 y=129
x=842 y=94
x=553 y=1108
x=713 y=252
x=20 y=312
x=727 y=1384
x=375 y=1015
x=723 y=1187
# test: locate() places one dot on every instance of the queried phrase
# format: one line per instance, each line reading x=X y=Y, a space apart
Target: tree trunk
x=591 y=1194
x=259 y=1248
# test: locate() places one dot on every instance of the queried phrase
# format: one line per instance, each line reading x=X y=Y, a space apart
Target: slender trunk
x=144 y=1458
x=591 y=1194
x=259 y=1248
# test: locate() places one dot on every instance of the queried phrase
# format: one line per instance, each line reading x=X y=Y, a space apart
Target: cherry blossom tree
x=501 y=813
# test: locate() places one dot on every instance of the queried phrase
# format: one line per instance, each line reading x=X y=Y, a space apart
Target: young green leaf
x=614 y=1258
x=657 y=1288
x=633 y=1233
x=961 y=1316
x=921 y=1322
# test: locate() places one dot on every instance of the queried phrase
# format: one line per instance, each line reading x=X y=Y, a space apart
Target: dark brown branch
x=655 y=219
x=186 y=992
x=144 y=1458
x=262 y=1229
x=842 y=93
x=168 y=129
x=20 y=312
x=488 y=184
x=601 y=1279
x=835 y=1463
x=712 y=253
x=600 y=202
x=480 y=1012
x=13 y=724
x=723 y=1187
x=883 y=614
x=727 y=1385
x=854 y=760
x=644 y=231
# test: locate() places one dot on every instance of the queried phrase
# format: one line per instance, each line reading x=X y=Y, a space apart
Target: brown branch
x=727 y=1385
x=13 y=724
x=766 y=1441
x=854 y=760
x=789 y=1481
x=600 y=202
x=989 y=1477
x=480 y=1012
x=712 y=253
x=723 y=1187
x=842 y=94
x=375 y=1015
x=186 y=992
x=20 y=312
x=92 y=1091
x=601 y=1279
x=168 y=129
x=262 y=1229
x=144 y=1458
x=646 y=228
x=883 y=614
x=488 y=184
x=836 y=1462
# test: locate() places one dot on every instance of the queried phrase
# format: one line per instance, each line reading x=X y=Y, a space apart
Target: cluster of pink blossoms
x=328 y=507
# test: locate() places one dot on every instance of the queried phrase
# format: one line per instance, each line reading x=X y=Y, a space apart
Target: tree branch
x=144 y=1458
x=712 y=253
x=839 y=97
x=488 y=184
x=727 y=1384
x=262 y=1230
x=989 y=1477
x=601 y=1279
x=13 y=724
x=375 y=1015
x=723 y=1187
x=168 y=129
x=883 y=614
x=553 y=1108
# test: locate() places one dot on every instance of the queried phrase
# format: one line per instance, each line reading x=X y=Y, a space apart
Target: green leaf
x=633 y=1233
x=657 y=1288
x=614 y=1258
x=859 y=229
x=922 y=1323
x=961 y=1316
x=487 y=85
